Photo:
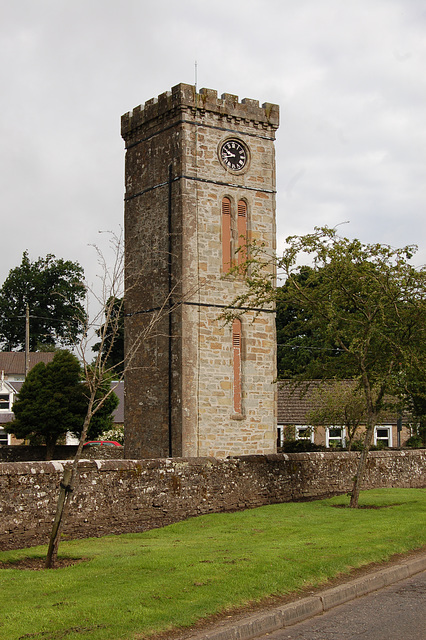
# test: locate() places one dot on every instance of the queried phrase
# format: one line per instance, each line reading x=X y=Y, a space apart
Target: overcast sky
x=349 y=76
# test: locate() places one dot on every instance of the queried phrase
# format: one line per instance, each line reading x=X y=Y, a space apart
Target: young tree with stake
x=366 y=301
x=106 y=326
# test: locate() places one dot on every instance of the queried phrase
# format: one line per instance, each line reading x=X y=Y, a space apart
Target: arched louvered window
x=242 y=231
x=226 y=235
x=236 y=352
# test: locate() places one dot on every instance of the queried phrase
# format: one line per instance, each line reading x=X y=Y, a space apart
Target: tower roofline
x=185 y=95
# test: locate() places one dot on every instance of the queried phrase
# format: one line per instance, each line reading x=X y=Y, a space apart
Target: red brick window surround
x=242 y=231
x=234 y=233
x=226 y=235
x=237 y=362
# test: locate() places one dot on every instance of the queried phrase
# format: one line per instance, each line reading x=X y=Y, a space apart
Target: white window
x=305 y=433
x=335 y=437
x=383 y=435
x=4 y=437
x=280 y=435
x=5 y=402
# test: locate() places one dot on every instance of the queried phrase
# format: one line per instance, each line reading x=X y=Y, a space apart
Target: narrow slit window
x=242 y=231
x=236 y=348
x=226 y=235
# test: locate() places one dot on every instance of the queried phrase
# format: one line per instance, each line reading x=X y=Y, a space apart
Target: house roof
x=296 y=400
x=13 y=362
x=15 y=385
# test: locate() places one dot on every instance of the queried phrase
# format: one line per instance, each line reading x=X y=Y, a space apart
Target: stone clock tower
x=200 y=185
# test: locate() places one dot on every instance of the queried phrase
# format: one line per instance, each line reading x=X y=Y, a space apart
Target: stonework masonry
x=179 y=386
x=121 y=496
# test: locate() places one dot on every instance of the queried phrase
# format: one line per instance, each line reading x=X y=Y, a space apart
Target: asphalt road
x=397 y=612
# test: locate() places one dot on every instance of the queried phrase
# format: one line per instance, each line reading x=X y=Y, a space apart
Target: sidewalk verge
x=289 y=614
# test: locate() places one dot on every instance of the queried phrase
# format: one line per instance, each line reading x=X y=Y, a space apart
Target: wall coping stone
x=55 y=466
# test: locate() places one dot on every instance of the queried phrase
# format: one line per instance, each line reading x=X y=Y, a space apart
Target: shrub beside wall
x=118 y=496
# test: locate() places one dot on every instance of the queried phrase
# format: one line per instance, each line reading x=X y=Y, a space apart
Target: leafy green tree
x=103 y=419
x=53 y=400
x=295 y=343
x=300 y=341
x=340 y=403
x=112 y=337
x=365 y=300
x=54 y=291
x=414 y=398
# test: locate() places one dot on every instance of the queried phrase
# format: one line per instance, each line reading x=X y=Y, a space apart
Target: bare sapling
x=98 y=374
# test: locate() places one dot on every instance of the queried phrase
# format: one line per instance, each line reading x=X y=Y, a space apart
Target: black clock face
x=233 y=155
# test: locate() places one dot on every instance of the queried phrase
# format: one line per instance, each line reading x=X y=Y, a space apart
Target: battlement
x=185 y=95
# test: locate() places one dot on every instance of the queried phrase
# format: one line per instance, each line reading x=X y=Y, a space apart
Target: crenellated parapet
x=185 y=96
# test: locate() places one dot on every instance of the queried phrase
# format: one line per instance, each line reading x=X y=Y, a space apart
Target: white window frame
x=3 y=432
x=341 y=439
x=380 y=438
x=299 y=428
x=9 y=406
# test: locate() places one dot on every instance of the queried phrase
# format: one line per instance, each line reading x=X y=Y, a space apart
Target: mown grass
x=137 y=584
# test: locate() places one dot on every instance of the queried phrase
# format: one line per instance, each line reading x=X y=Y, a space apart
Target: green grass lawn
x=136 y=584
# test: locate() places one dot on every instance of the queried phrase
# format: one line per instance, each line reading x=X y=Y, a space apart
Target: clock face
x=233 y=155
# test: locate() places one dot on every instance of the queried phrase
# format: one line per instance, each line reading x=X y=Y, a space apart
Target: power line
x=300 y=346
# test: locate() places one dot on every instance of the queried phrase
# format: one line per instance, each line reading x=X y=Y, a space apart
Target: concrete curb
x=289 y=614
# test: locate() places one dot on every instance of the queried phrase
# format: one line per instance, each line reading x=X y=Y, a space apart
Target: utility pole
x=398 y=430
x=27 y=339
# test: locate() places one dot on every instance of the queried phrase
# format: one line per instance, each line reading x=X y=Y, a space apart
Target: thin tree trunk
x=65 y=490
x=67 y=486
x=373 y=409
x=356 y=488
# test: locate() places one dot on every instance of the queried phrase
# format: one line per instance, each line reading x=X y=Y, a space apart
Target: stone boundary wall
x=119 y=496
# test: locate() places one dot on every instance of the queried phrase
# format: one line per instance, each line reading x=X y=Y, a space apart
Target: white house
x=12 y=376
